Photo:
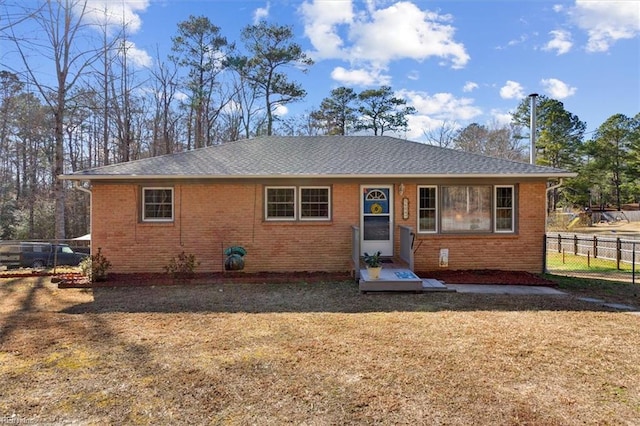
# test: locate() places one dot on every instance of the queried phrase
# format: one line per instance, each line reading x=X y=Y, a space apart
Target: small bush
x=96 y=266
x=182 y=267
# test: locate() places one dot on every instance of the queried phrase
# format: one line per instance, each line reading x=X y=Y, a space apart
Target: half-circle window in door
x=376 y=194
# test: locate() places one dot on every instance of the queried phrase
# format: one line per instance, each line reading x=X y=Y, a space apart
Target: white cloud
x=606 y=21
x=441 y=105
x=404 y=31
x=419 y=124
x=517 y=41
x=433 y=110
x=280 y=110
x=114 y=14
x=321 y=25
x=500 y=117
x=557 y=89
x=560 y=42
x=469 y=86
x=512 y=90
x=137 y=57
x=261 y=13
x=413 y=75
x=120 y=19
x=380 y=35
x=181 y=96
x=360 y=77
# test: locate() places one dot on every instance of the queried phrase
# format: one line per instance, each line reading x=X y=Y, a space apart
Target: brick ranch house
x=317 y=203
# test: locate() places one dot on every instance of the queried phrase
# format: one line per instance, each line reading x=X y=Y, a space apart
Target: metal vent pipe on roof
x=532 y=129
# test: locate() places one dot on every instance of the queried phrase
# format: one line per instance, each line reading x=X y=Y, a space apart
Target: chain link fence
x=592 y=256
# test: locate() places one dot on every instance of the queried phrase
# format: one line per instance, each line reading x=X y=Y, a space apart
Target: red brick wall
x=522 y=251
x=211 y=217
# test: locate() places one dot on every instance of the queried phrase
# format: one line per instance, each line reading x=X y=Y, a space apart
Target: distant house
x=317 y=203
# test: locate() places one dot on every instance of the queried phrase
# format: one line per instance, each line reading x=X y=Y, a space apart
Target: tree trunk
x=58 y=169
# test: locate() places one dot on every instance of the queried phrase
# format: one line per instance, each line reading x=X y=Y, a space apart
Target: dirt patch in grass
x=311 y=353
x=487 y=276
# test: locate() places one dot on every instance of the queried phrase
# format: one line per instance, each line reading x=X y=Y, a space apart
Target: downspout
x=546 y=201
x=77 y=185
x=532 y=129
x=546 y=220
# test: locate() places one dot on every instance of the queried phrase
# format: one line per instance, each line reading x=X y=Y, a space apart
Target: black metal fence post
x=544 y=253
x=633 y=262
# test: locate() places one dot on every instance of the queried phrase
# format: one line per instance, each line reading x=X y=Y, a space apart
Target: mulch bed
x=160 y=279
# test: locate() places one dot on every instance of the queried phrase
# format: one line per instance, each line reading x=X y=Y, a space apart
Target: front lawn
x=317 y=353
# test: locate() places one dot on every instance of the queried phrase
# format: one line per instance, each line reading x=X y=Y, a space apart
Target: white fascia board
x=336 y=176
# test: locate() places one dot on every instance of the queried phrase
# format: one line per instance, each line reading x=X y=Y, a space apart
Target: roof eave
x=323 y=176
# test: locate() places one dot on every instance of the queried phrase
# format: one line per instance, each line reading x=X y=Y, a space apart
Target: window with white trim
x=157 y=204
x=504 y=209
x=466 y=209
x=314 y=203
x=280 y=203
x=305 y=203
x=427 y=209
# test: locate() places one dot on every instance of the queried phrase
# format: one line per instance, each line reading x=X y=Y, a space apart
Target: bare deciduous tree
x=63 y=24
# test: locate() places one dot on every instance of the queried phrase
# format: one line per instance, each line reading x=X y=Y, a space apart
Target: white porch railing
x=355 y=250
x=406 y=245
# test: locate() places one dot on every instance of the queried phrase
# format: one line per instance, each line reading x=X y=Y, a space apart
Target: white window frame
x=494 y=211
x=297 y=204
x=266 y=204
x=314 y=219
x=437 y=210
x=512 y=208
x=144 y=204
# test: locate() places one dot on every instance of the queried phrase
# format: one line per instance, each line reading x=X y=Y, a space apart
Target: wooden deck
x=396 y=276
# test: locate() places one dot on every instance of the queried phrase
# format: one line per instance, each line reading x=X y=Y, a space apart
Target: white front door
x=376 y=219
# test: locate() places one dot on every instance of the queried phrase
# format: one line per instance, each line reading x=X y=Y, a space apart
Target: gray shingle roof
x=318 y=156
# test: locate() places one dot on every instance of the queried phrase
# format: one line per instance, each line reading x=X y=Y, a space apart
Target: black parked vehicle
x=16 y=254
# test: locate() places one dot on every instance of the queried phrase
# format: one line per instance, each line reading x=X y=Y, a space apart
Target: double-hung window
x=314 y=203
x=504 y=209
x=306 y=203
x=157 y=204
x=427 y=211
x=281 y=203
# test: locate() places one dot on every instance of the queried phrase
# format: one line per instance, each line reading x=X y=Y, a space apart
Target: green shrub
x=95 y=266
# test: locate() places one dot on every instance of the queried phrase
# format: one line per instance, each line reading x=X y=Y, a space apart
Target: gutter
x=317 y=176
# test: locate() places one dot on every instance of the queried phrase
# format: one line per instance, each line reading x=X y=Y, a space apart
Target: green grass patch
x=572 y=262
x=614 y=291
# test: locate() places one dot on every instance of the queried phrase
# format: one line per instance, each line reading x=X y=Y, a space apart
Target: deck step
x=398 y=279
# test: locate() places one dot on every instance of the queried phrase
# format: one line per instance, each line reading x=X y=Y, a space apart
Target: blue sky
x=458 y=61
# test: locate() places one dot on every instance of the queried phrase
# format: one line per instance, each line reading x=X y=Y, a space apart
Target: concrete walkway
x=505 y=289
x=534 y=290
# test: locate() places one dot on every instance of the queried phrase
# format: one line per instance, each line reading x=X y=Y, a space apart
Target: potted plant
x=373 y=265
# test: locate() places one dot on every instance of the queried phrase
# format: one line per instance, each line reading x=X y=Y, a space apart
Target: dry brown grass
x=311 y=354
